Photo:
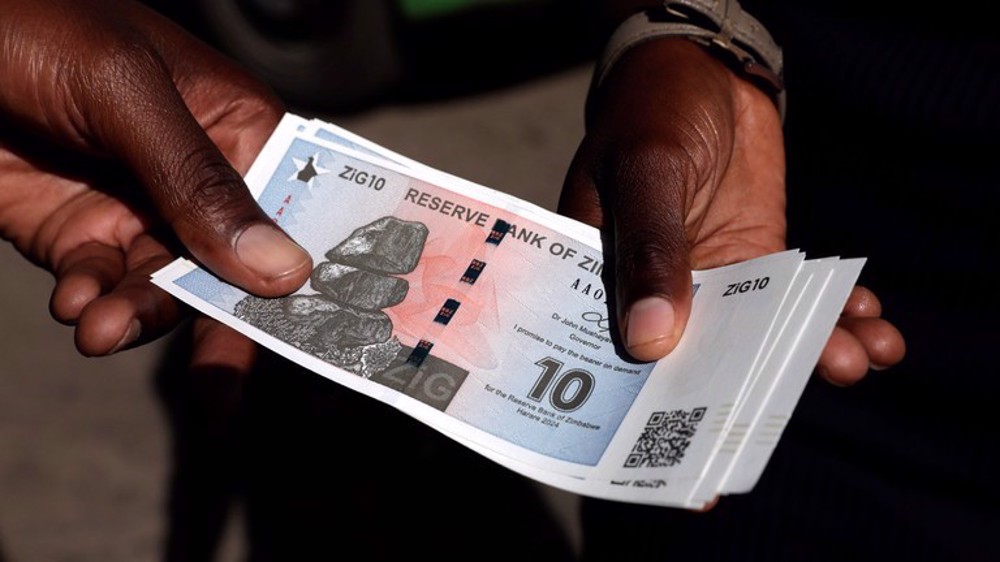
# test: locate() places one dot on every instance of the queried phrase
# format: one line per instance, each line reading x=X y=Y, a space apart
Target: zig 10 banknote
x=485 y=317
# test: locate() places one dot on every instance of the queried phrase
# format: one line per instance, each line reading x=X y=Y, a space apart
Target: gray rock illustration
x=357 y=287
x=338 y=325
x=343 y=323
x=387 y=245
x=314 y=323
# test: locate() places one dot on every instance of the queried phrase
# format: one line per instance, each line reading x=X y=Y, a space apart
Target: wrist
x=720 y=26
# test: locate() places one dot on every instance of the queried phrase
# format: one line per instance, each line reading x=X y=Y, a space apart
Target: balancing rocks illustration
x=343 y=323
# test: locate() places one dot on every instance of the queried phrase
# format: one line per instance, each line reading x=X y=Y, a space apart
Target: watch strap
x=719 y=24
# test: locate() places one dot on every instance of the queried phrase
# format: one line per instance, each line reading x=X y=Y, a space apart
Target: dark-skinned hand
x=682 y=167
x=123 y=141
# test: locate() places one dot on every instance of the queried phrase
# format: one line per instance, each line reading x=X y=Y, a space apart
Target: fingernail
x=650 y=322
x=268 y=252
x=131 y=334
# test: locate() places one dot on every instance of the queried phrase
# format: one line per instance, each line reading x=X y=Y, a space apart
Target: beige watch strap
x=718 y=23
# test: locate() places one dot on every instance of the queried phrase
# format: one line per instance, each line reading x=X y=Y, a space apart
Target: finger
x=844 y=360
x=84 y=274
x=213 y=375
x=218 y=347
x=651 y=262
x=139 y=115
x=135 y=311
x=709 y=506
x=883 y=343
x=861 y=341
x=862 y=302
x=857 y=345
x=647 y=249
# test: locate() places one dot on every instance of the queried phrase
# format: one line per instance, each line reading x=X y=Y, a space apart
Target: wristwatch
x=720 y=25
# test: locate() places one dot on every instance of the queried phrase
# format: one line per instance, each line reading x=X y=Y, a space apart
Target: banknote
x=754 y=428
x=486 y=317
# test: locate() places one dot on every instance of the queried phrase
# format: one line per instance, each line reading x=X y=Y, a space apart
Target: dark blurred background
x=347 y=55
x=132 y=458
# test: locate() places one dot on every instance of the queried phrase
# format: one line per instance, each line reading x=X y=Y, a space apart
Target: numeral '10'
x=571 y=389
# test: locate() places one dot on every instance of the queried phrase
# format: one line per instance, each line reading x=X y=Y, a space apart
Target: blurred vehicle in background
x=336 y=55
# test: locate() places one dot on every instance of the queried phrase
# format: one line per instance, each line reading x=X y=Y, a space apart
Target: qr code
x=665 y=439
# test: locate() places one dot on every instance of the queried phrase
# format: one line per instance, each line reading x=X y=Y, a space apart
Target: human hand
x=683 y=167
x=123 y=138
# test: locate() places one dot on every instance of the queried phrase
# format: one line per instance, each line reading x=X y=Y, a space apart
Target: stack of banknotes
x=485 y=317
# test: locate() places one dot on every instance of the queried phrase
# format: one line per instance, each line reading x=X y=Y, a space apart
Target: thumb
x=193 y=188
x=646 y=250
x=651 y=266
